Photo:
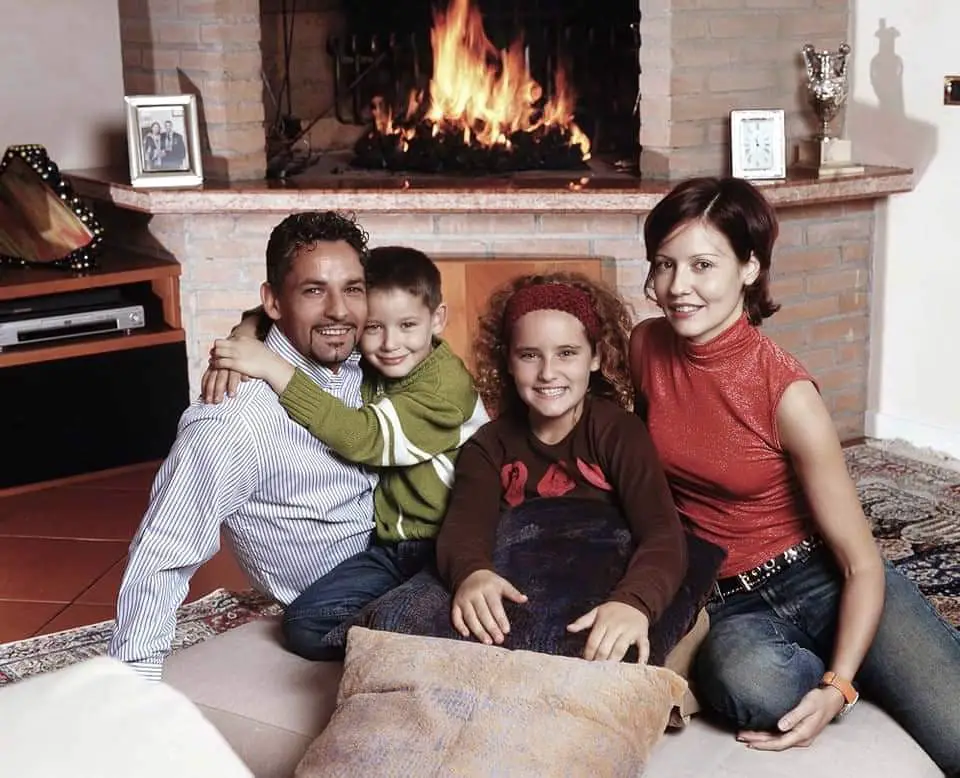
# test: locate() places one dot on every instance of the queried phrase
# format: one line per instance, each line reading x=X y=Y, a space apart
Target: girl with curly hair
x=551 y=366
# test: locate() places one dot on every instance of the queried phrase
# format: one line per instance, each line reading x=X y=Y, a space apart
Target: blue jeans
x=343 y=592
x=767 y=648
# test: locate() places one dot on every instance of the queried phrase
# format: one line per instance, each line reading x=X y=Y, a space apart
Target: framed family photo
x=163 y=137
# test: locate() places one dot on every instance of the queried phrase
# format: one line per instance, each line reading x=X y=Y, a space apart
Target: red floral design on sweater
x=513 y=479
x=556 y=482
x=594 y=475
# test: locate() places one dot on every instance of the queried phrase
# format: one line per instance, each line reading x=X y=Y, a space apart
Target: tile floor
x=63 y=551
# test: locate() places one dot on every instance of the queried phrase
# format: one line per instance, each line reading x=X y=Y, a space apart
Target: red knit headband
x=553 y=297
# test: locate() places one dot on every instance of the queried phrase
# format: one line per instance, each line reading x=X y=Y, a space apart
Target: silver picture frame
x=163 y=141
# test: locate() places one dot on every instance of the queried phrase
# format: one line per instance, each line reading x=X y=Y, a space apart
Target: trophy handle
x=809 y=59
x=842 y=54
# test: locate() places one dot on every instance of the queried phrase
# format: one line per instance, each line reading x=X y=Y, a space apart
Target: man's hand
x=250 y=357
x=478 y=606
x=614 y=627
x=217 y=384
x=800 y=726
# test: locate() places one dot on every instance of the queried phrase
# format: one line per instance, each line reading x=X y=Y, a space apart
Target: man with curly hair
x=290 y=508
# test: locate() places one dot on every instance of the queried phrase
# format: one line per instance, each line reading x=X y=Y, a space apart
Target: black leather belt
x=750 y=579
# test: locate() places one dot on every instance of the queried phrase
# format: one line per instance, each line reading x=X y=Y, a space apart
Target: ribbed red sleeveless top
x=712 y=416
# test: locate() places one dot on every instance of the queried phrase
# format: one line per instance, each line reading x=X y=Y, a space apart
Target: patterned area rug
x=218 y=612
x=912 y=502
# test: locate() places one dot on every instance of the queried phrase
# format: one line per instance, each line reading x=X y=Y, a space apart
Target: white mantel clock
x=758 y=144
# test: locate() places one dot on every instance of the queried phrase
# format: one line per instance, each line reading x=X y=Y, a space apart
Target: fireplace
x=460 y=86
x=699 y=61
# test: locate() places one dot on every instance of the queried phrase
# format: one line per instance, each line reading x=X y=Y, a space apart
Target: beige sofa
x=270 y=705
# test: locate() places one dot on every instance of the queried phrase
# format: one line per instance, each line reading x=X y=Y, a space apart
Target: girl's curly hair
x=491 y=349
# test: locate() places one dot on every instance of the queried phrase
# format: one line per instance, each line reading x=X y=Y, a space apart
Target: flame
x=477 y=91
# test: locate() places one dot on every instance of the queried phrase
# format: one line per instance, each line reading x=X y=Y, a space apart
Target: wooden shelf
x=115 y=269
x=112 y=376
x=93 y=344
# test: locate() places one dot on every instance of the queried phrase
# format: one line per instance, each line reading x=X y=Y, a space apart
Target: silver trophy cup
x=825 y=153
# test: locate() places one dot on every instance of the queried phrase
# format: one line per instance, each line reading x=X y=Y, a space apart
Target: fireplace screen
x=489 y=85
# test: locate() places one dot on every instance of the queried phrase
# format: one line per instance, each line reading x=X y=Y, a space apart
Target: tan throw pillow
x=410 y=706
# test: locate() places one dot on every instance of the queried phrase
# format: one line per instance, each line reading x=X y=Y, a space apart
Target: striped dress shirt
x=290 y=508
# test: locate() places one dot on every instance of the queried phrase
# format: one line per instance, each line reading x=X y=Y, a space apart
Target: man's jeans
x=767 y=648
x=343 y=592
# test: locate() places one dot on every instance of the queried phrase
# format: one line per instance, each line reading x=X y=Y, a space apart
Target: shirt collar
x=324 y=376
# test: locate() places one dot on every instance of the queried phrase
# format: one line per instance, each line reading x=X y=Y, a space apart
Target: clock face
x=757 y=144
x=757 y=140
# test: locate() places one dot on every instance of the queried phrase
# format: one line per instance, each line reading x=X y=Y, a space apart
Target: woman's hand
x=614 y=627
x=800 y=726
x=478 y=606
x=250 y=357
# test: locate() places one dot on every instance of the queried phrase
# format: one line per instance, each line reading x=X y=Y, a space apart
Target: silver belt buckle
x=745 y=581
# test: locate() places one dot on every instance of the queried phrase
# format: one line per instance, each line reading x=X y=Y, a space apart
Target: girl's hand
x=614 y=627
x=251 y=358
x=478 y=606
x=800 y=726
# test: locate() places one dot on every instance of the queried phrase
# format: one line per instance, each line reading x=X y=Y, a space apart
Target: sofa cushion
x=99 y=718
x=867 y=743
x=411 y=705
x=280 y=703
x=269 y=704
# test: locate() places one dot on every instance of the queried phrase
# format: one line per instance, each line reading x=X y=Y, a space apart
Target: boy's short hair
x=400 y=267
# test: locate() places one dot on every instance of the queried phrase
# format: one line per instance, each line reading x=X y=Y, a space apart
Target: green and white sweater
x=410 y=428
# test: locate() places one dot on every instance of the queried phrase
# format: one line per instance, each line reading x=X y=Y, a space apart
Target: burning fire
x=482 y=93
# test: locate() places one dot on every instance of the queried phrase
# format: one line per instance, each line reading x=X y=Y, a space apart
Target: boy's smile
x=399 y=332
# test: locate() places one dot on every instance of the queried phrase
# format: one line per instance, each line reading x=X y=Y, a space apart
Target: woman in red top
x=806 y=611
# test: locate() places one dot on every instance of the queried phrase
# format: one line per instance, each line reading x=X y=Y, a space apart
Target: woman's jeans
x=768 y=647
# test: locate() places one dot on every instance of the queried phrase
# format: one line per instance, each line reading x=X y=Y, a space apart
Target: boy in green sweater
x=419 y=407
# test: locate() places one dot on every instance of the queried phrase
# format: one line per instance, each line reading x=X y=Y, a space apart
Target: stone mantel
x=561 y=193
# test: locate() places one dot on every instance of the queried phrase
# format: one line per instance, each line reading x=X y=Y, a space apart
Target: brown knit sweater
x=608 y=457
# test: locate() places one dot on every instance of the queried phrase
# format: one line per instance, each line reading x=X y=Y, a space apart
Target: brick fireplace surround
x=700 y=59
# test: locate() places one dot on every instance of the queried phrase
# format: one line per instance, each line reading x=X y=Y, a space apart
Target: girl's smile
x=551 y=360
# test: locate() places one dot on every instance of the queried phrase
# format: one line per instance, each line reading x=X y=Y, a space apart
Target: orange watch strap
x=842 y=685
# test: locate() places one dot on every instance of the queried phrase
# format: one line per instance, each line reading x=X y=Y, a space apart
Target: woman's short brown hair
x=734 y=208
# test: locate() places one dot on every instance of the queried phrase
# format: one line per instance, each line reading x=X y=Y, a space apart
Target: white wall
x=902 y=49
x=61 y=79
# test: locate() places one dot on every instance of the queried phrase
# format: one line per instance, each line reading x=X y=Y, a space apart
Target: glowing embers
x=482 y=111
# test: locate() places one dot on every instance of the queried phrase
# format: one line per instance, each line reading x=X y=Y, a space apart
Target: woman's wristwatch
x=842 y=685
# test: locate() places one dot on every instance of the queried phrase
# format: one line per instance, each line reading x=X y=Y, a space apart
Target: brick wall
x=700 y=59
x=210 y=48
x=821 y=273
